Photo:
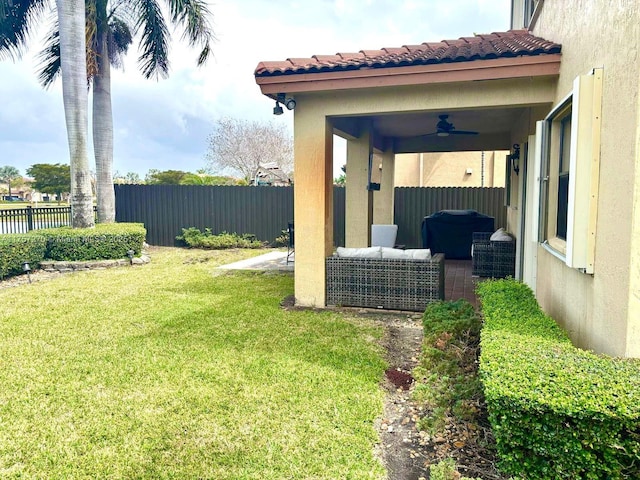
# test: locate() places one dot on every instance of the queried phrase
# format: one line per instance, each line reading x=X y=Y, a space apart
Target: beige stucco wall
x=450 y=169
x=601 y=312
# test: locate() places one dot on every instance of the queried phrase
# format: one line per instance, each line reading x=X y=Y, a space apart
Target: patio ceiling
x=410 y=132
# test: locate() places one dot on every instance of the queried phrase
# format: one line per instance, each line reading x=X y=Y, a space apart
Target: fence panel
x=412 y=204
x=265 y=211
x=166 y=209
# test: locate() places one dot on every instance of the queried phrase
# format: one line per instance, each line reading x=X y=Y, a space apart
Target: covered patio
x=390 y=101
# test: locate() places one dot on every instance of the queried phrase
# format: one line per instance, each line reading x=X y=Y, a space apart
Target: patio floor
x=458 y=282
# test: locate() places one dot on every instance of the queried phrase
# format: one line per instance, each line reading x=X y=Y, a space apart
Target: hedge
x=556 y=411
x=104 y=242
x=18 y=248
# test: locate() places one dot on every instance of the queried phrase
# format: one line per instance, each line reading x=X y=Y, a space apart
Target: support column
x=358 y=199
x=383 y=199
x=313 y=205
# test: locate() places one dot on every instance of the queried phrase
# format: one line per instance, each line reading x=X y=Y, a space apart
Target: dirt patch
x=407 y=451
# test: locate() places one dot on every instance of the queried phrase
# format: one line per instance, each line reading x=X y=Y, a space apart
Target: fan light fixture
x=444 y=128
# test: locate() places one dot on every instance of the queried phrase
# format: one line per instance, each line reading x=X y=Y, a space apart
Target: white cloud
x=164 y=124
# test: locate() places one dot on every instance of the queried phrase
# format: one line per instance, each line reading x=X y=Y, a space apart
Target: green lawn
x=172 y=370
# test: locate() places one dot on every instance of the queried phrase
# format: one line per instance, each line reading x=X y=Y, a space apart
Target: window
x=570 y=172
x=531 y=11
x=557 y=174
x=563 y=176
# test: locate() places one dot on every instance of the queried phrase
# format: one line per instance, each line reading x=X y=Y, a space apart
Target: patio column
x=383 y=199
x=313 y=204
x=358 y=199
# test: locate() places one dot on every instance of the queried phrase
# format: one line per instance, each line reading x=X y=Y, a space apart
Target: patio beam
x=383 y=199
x=359 y=200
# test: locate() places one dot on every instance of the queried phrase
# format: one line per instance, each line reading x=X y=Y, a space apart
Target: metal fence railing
x=23 y=220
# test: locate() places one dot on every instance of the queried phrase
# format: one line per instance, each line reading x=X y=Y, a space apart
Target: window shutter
x=584 y=168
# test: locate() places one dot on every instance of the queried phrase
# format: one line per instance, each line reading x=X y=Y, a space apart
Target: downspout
x=482 y=168
x=421 y=170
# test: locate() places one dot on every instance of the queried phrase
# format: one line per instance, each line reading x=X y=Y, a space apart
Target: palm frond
x=194 y=16
x=49 y=58
x=154 y=41
x=120 y=38
x=17 y=20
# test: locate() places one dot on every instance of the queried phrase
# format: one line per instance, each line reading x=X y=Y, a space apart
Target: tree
x=342 y=179
x=128 y=178
x=9 y=174
x=17 y=18
x=204 y=179
x=166 y=177
x=110 y=28
x=71 y=19
x=51 y=178
x=240 y=146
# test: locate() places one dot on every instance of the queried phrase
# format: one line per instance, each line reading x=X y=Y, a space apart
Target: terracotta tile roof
x=513 y=43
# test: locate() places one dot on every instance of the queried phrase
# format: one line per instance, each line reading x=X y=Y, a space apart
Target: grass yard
x=172 y=370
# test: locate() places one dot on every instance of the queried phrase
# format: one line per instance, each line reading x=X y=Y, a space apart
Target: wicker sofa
x=392 y=284
x=493 y=258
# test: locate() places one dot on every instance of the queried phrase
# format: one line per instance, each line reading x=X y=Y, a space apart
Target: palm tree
x=17 y=18
x=111 y=26
x=8 y=174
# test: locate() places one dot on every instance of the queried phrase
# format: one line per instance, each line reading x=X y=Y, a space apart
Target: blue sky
x=164 y=124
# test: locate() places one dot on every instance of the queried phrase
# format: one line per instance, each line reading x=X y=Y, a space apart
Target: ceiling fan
x=444 y=128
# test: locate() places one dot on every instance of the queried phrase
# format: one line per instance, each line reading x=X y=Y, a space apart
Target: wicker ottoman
x=391 y=284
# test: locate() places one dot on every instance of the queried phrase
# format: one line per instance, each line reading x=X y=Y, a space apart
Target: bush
x=446 y=470
x=194 y=238
x=104 y=242
x=556 y=411
x=445 y=384
x=18 y=248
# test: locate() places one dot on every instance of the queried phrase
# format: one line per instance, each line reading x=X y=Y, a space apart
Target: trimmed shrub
x=194 y=238
x=104 y=242
x=18 y=248
x=557 y=412
x=445 y=385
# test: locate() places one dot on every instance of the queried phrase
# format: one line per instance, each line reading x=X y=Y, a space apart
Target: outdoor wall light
x=27 y=269
x=288 y=102
x=130 y=254
x=514 y=158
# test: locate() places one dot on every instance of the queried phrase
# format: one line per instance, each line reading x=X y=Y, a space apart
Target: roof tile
x=480 y=47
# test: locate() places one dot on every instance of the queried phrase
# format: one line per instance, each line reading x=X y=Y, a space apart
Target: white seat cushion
x=500 y=236
x=369 y=252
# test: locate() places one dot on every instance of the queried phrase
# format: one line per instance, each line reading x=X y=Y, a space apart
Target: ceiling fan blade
x=462 y=132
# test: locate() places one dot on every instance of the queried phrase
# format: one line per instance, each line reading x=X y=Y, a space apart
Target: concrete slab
x=276 y=260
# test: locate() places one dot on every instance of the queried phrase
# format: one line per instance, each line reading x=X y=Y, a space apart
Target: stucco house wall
x=601 y=311
x=451 y=169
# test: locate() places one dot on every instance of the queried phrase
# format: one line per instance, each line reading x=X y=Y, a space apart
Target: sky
x=164 y=124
